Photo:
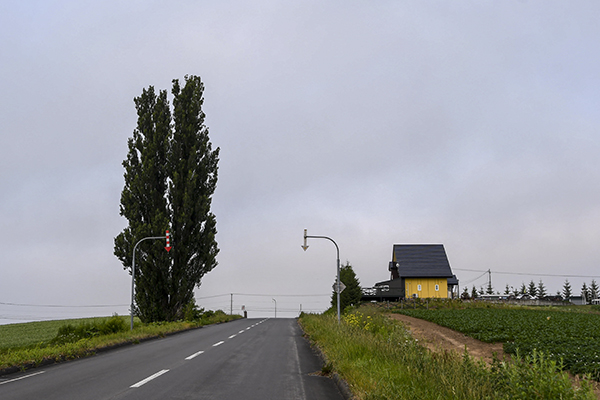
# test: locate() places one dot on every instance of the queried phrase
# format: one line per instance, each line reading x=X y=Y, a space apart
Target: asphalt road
x=244 y=359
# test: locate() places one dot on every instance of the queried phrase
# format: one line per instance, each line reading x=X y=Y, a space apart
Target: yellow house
x=424 y=271
x=426 y=287
x=417 y=271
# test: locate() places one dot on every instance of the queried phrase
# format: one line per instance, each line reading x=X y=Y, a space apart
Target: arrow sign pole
x=168 y=241
x=338 y=282
x=133 y=269
x=305 y=246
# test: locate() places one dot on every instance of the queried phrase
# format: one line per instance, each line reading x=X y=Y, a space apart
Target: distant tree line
x=533 y=290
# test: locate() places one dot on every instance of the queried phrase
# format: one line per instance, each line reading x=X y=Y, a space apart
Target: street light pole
x=305 y=246
x=275 y=307
x=133 y=271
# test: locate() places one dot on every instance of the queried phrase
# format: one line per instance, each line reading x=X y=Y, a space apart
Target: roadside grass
x=27 y=345
x=34 y=333
x=380 y=360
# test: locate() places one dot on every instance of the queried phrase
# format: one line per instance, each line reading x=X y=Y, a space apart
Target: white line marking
x=23 y=377
x=232 y=336
x=148 y=379
x=194 y=355
x=241 y=332
x=248 y=327
x=219 y=343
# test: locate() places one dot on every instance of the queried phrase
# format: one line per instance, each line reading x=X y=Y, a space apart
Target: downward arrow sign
x=168 y=241
x=305 y=246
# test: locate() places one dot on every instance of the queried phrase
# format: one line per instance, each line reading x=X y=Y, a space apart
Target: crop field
x=571 y=337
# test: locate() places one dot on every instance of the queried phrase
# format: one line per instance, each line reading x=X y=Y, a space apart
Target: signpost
x=168 y=241
x=167 y=236
x=338 y=286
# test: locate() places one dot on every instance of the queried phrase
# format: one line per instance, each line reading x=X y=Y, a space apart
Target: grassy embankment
x=30 y=344
x=380 y=360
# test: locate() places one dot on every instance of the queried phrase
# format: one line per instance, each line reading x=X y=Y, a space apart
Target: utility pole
x=338 y=285
x=275 y=307
x=168 y=247
x=231 y=305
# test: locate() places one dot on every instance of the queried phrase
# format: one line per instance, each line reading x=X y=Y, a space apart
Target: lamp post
x=133 y=268
x=337 y=284
x=275 y=307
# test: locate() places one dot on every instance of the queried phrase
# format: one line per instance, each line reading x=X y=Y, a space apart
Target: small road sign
x=341 y=288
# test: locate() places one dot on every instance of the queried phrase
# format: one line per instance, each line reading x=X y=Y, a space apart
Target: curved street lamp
x=133 y=268
x=337 y=284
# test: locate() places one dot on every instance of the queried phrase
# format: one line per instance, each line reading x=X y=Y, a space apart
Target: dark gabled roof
x=421 y=261
x=453 y=280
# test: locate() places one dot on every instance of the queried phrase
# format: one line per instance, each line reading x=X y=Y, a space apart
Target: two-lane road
x=243 y=359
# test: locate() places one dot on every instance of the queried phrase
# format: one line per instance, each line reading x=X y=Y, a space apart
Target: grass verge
x=380 y=360
x=24 y=346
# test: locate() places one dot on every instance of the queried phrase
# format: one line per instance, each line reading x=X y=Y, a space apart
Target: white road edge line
x=148 y=379
x=23 y=377
x=219 y=343
x=194 y=355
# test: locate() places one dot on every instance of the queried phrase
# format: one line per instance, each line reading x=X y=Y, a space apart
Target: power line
x=527 y=273
x=62 y=306
x=473 y=280
x=265 y=295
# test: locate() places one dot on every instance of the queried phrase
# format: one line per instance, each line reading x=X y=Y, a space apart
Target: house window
x=437 y=288
x=418 y=288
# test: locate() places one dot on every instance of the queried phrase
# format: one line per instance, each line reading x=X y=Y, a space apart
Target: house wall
x=427 y=287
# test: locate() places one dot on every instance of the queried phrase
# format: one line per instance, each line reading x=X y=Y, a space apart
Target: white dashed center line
x=148 y=379
x=23 y=377
x=232 y=336
x=194 y=355
x=218 y=343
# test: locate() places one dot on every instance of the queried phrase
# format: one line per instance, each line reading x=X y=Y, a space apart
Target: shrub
x=72 y=333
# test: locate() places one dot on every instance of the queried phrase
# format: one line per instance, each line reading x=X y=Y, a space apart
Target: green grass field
x=34 y=333
x=30 y=344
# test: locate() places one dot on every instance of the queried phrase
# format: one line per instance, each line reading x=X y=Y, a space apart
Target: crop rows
x=571 y=337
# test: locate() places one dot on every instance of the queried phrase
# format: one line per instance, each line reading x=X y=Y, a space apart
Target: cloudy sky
x=473 y=124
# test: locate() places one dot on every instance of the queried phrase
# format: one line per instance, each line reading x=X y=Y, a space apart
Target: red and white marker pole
x=168 y=241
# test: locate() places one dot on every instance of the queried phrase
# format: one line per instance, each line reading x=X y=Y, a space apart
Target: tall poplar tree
x=170 y=177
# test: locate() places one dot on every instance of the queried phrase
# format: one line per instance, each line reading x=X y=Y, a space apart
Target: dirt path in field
x=436 y=338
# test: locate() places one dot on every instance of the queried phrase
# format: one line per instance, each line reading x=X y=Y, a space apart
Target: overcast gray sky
x=473 y=124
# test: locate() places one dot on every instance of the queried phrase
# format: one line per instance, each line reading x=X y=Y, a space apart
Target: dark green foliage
x=523 y=289
x=465 y=294
x=72 y=333
x=490 y=288
x=352 y=293
x=474 y=293
x=594 y=290
x=532 y=289
x=541 y=290
x=170 y=177
x=585 y=293
x=567 y=292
